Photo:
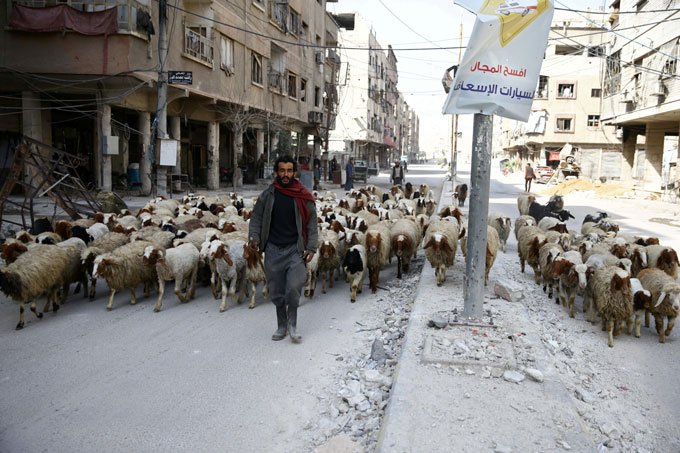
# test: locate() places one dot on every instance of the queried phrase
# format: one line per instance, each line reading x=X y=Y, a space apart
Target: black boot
x=292 y=324
x=282 y=321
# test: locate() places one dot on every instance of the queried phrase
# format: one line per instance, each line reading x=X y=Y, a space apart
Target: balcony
x=132 y=16
x=198 y=44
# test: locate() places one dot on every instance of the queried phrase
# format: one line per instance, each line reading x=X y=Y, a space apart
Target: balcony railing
x=131 y=13
x=198 y=45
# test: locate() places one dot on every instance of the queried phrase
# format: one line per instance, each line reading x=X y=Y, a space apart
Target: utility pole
x=475 y=264
x=454 y=128
x=162 y=106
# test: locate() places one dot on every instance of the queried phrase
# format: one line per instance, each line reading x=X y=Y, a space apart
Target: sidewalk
x=449 y=391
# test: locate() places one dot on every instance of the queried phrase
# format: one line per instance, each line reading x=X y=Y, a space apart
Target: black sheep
x=78 y=231
x=460 y=194
x=42 y=225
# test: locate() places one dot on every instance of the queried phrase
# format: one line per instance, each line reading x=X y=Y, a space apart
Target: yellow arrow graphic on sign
x=514 y=16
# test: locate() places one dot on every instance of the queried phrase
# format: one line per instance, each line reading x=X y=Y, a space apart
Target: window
x=593 y=120
x=568 y=50
x=278 y=13
x=564 y=124
x=256 y=69
x=596 y=51
x=198 y=44
x=294 y=27
x=227 y=55
x=596 y=93
x=542 y=91
x=566 y=90
x=292 y=85
x=317 y=96
x=303 y=90
x=640 y=4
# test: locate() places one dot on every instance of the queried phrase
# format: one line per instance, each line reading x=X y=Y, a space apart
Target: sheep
x=354 y=265
x=254 y=272
x=179 y=264
x=41 y=225
x=572 y=275
x=502 y=224
x=592 y=218
x=74 y=272
x=312 y=271
x=524 y=200
x=424 y=190
x=530 y=241
x=123 y=268
x=34 y=273
x=523 y=220
x=665 y=298
x=612 y=295
x=460 y=193
x=552 y=209
x=546 y=258
x=642 y=302
x=105 y=244
x=12 y=248
x=229 y=269
x=377 y=252
x=440 y=244
x=329 y=258
x=404 y=238
x=562 y=239
x=492 y=245
x=197 y=237
x=552 y=224
x=664 y=258
x=48 y=237
x=159 y=238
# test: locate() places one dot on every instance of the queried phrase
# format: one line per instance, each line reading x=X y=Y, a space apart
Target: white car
x=522 y=8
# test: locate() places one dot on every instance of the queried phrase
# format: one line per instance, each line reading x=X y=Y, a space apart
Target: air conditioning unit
x=319 y=58
x=658 y=89
x=314 y=117
x=619 y=133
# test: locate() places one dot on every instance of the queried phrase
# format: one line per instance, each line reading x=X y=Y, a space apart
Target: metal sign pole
x=480 y=180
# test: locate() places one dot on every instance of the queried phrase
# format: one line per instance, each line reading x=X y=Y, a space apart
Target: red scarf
x=297 y=191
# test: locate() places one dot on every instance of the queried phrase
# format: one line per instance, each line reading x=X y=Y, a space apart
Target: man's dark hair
x=285 y=159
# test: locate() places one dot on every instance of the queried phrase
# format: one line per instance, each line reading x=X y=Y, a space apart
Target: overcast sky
x=432 y=24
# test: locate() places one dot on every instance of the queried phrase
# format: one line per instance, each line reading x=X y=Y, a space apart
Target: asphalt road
x=186 y=379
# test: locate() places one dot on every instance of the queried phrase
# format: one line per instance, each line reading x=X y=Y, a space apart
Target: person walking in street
x=349 y=174
x=260 y=166
x=529 y=176
x=317 y=174
x=397 y=177
x=284 y=225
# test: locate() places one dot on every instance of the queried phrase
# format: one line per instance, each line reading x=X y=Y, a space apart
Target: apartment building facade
x=566 y=111
x=641 y=89
x=374 y=122
x=247 y=77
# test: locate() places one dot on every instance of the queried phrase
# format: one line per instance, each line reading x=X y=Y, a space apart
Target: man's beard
x=281 y=182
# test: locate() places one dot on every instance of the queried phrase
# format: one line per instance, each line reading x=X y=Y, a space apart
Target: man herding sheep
x=284 y=223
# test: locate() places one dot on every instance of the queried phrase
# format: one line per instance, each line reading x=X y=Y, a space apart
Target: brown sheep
x=611 y=293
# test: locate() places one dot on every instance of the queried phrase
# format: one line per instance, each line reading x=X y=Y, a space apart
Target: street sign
x=499 y=71
x=181 y=77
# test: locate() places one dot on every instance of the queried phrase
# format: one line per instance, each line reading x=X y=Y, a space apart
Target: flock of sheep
x=620 y=277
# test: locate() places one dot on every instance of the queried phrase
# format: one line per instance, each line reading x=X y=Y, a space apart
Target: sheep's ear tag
x=662 y=296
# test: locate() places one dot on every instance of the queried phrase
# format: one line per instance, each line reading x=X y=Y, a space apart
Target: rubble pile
x=355 y=406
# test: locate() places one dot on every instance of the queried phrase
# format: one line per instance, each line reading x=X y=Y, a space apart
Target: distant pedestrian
x=260 y=166
x=397 y=177
x=284 y=225
x=317 y=173
x=349 y=174
x=529 y=176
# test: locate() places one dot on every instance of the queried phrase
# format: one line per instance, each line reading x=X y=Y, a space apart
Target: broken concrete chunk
x=508 y=290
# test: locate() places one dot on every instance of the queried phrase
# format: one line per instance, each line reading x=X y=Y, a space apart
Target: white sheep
x=642 y=302
x=124 y=268
x=254 y=272
x=521 y=221
x=502 y=224
x=229 y=266
x=179 y=264
x=440 y=244
x=611 y=293
x=524 y=200
x=36 y=272
x=665 y=299
x=530 y=241
x=105 y=244
x=377 y=252
x=405 y=238
x=572 y=274
x=664 y=258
